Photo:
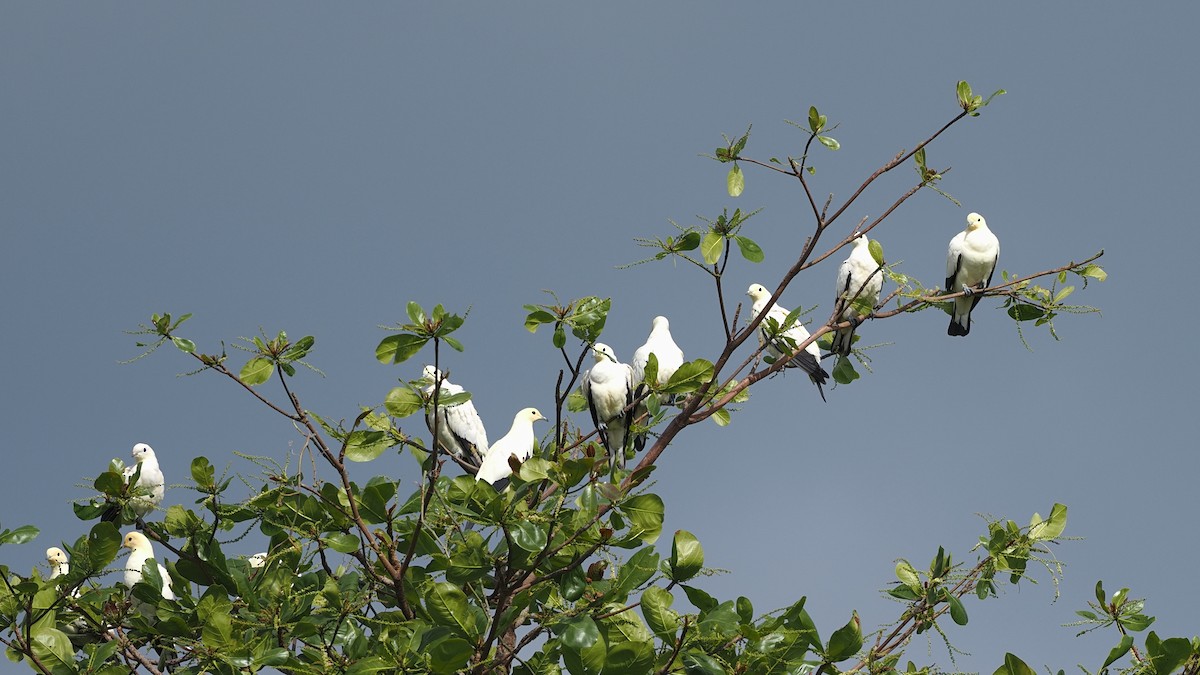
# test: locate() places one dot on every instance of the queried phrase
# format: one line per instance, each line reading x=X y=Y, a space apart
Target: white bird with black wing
x=460 y=431
x=808 y=360
x=608 y=388
x=859 y=281
x=970 y=263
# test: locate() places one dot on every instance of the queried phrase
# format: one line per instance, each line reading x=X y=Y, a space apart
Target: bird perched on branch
x=669 y=357
x=59 y=565
x=662 y=345
x=141 y=550
x=460 y=431
x=148 y=492
x=808 y=360
x=859 y=281
x=517 y=443
x=608 y=389
x=970 y=263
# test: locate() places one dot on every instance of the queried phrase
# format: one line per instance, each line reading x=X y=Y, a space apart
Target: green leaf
x=402 y=402
x=369 y=665
x=907 y=574
x=579 y=633
x=845 y=641
x=687 y=556
x=699 y=663
x=53 y=648
x=689 y=377
x=844 y=372
x=537 y=318
x=560 y=337
x=1120 y=650
x=21 y=535
x=104 y=541
x=415 y=313
x=735 y=182
x=741 y=143
x=711 y=247
x=645 y=513
x=1166 y=655
x=1063 y=293
x=745 y=609
x=375 y=497
x=749 y=248
x=365 y=446
x=701 y=600
x=1051 y=527
x=638 y=569
x=449 y=655
x=1094 y=271
x=256 y=371
x=447 y=605
x=529 y=536
x=830 y=143
x=1012 y=664
x=688 y=242
x=342 y=542
x=957 y=612
x=1024 y=312
x=816 y=121
x=656 y=608
x=203 y=471
x=399 y=348
x=721 y=417
x=1137 y=622
x=185 y=345
x=535 y=468
x=964 y=93
x=876 y=250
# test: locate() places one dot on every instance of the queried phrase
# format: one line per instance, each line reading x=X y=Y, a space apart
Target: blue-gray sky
x=313 y=167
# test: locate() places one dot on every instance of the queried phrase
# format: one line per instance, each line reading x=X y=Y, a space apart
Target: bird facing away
x=608 y=389
x=857 y=280
x=518 y=442
x=662 y=345
x=808 y=360
x=141 y=550
x=59 y=566
x=460 y=432
x=970 y=263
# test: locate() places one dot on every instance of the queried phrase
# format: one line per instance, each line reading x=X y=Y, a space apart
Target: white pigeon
x=151 y=482
x=857 y=270
x=808 y=360
x=970 y=263
x=518 y=442
x=141 y=550
x=608 y=389
x=460 y=432
x=59 y=565
x=659 y=343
